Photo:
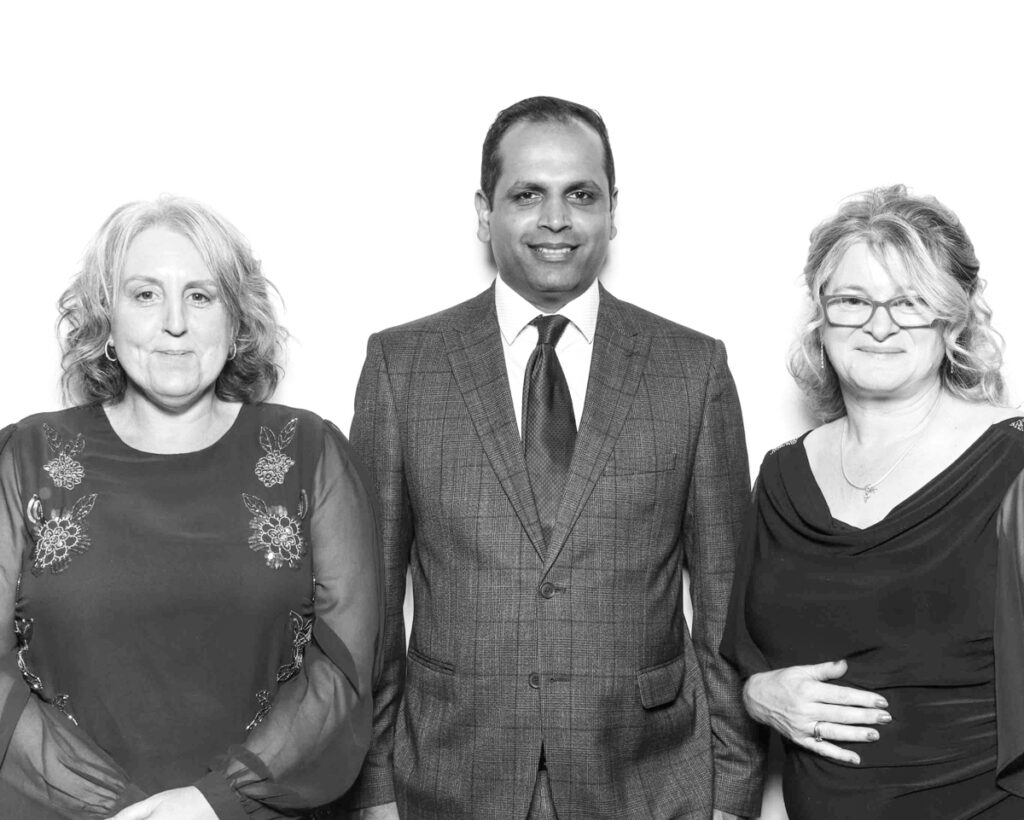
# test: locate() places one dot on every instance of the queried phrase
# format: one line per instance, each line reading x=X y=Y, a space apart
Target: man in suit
x=547 y=482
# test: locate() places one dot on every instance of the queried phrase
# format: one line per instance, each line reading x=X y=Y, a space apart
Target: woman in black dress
x=189 y=574
x=877 y=607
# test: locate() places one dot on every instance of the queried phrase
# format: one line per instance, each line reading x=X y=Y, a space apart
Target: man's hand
x=387 y=811
x=796 y=700
x=187 y=803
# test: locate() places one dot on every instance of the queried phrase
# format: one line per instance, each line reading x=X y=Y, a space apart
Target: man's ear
x=483 y=216
x=615 y=202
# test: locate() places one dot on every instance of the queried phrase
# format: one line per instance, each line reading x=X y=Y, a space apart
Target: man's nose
x=555 y=214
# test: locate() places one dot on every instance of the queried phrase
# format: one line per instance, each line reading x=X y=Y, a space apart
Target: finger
x=852 y=715
x=136 y=811
x=825 y=749
x=848 y=696
x=829 y=670
x=841 y=733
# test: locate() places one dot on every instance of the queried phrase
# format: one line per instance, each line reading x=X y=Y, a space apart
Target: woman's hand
x=795 y=699
x=175 y=804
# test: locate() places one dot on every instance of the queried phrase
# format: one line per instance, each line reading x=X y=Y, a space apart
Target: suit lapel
x=620 y=353
x=473 y=341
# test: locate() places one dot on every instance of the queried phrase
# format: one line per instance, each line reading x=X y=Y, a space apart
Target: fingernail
x=882 y=703
x=855 y=761
x=872 y=735
x=885 y=717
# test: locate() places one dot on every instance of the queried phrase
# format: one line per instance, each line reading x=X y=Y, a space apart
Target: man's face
x=553 y=215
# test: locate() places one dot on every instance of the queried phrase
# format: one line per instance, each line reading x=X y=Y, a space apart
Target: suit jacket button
x=547 y=589
x=534 y=680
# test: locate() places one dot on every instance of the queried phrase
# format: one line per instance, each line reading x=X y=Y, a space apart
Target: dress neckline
x=108 y=431
x=908 y=501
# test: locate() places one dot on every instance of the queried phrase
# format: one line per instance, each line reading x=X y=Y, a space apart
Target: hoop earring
x=109 y=351
x=234 y=351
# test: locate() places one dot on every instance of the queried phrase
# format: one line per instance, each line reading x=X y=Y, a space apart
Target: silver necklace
x=871 y=487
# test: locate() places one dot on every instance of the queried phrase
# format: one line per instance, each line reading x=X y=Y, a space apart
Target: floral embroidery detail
x=272 y=467
x=1018 y=425
x=302 y=634
x=61 y=537
x=276 y=533
x=23 y=633
x=263 y=699
x=784 y=444
x=63 y=703
x=63 y=469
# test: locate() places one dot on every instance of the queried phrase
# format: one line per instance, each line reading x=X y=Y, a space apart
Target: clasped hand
x=175 y=804
x=795 y=699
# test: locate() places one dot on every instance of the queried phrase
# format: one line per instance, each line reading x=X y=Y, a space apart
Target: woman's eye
x=145 y=295
x=199 y=298
x=850 y=301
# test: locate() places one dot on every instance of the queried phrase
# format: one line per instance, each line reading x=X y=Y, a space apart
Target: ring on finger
x=816 y=732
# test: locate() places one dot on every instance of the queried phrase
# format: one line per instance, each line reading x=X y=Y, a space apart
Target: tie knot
x=550 y=328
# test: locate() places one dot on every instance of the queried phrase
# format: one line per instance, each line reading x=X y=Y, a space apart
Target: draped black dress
x=925 y=606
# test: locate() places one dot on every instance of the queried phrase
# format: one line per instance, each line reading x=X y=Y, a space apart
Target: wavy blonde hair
x=85 y=307
x=937 y=261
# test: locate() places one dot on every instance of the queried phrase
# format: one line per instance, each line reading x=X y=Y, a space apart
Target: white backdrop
x=345 y=143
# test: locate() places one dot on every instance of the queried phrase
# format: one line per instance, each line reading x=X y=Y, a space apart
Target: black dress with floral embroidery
x=205 y=618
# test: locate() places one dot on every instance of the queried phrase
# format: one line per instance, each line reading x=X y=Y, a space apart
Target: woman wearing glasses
x=878 y=608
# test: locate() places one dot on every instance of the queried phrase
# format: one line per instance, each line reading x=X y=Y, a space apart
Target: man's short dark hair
x=539 y=109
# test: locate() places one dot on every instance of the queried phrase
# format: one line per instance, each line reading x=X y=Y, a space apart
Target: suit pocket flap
x=621 y=464
x=661 y=684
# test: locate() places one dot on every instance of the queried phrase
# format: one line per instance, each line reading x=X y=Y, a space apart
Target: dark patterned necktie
x=549 y=427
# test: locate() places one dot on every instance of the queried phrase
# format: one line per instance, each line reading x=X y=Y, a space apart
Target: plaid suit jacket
x=580 y=645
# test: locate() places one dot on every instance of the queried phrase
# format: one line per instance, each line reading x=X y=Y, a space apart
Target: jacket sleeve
x=376 y=436
x=1008 y=640
x=713 y=524
x=310 y=745
x=45 y=757
x=738 y=646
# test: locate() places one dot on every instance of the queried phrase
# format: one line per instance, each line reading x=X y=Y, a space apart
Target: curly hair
x=937 y=261
x=88 y=376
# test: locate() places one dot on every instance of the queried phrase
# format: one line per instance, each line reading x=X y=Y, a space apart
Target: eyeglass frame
x=875 y=305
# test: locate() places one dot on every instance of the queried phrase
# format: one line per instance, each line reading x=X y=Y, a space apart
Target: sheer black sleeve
x=1009 y=640
x=46 y=759
x=310 y=746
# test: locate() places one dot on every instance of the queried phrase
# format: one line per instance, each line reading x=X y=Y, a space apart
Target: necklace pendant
x=869 y=490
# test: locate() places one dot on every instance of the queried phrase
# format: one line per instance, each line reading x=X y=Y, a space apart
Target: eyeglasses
x=847 y=310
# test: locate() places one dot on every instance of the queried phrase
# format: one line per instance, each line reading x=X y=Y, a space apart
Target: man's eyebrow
x=530 y=185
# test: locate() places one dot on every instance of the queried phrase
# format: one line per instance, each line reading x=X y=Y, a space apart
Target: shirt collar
x=515 y=313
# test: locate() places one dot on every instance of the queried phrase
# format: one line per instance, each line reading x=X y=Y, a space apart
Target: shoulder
x=1012 y=427
x=634 y=318
x=790 y=448
x=67 y=422
x=458 y=315
x=270 y=414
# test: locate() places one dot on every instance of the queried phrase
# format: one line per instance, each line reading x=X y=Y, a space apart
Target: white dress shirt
x=574 y=349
